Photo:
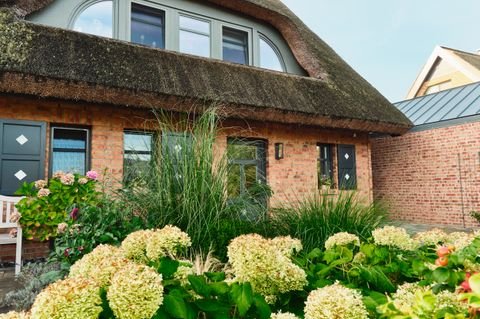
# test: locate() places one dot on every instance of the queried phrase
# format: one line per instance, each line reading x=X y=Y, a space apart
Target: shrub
x=315 y=219
x=31 y=280
x=48 y=203
x=70 y=298
x=106 y=222
x=187 y=186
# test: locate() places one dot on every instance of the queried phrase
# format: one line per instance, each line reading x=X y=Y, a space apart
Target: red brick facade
x=430 y=176
x=291 y=178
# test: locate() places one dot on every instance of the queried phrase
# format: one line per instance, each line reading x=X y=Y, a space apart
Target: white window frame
x=247 y=30
x=86 y=4
x=275 y=49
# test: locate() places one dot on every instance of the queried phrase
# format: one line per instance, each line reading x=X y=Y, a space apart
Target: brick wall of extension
x=430 y=176
x=291 y=178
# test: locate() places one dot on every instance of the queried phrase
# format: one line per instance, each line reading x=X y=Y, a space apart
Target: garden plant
x=389 y=275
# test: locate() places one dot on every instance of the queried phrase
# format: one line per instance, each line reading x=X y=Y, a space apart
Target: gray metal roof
x=446 y=105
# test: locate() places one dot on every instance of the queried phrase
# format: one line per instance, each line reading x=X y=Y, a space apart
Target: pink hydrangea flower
x=62 y=227
x=58 y=175
x=43 y=192
x=15 y=217
x=13 y=233
x=67 y=179
x=92 y=175
x=40 y=184
x=82 y=180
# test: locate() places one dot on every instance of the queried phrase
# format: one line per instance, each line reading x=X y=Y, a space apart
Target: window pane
x=250 y=176
x=148 y=26
x=235 y=46
x=242 y=151
x=69 y=139
x=233 y=186
x=193 y=43
x=137 y=142
x=69 y=150
x=96 y=19
x=72 y=162
x=195 y=25
x=269 y=58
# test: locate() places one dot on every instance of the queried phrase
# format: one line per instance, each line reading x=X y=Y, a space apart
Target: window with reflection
x=235 y=45
x=137 y=154
x=96 y=19
x=148 y=26
x=247 y=165
x=269 y=56
x=194 y=36
x=70 y=149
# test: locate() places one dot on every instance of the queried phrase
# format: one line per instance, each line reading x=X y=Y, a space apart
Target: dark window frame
x=87 y=150
x=328 y=162
x=246 y=43
x=154 y=11
x=260 y=162
x=152 y=152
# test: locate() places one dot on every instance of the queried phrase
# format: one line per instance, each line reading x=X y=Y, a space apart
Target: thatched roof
x=59 y=63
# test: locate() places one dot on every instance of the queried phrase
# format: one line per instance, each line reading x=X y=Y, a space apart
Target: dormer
x=190 y=27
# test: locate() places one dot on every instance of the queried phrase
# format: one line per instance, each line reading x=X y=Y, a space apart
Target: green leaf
x=199 y=285
x=263 y=309
x=215 y=276
x=474 y=282
x=441 y=274
x=219 y=288
x=211 y=305
x=315 y=253
x=175 y=305
x=168 y=267
x=242 y=296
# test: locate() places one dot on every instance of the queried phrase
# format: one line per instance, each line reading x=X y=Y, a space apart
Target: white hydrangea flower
x=430 y=237
x=394 y=237
x=167 y=241
x=335 y=301
x=283 y=315
x=265 y=264
x=342 y=239
x=460 y=240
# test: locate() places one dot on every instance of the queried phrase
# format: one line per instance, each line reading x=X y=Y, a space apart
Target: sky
x=389 y=41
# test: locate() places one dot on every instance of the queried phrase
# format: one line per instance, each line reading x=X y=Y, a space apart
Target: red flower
x=74 y=213
x=66 y=253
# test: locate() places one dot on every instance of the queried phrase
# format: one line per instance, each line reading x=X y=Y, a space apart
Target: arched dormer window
x=96 y=17
x=270 y=57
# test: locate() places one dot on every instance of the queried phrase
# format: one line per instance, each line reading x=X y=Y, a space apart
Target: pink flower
x=61 y=228
x=66 y=253
x=92 y=175
x=58 y=174
x=74 y=213
x=67 y=179
x=82 y=181
x=15 y=217
x=43 y=192
x=13 y=232
x=40 y=184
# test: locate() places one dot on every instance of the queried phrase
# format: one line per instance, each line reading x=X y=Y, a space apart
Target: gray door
x=347 y=167
x=22 y=153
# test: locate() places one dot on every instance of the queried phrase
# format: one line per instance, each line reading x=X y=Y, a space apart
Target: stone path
x=7 y=284
x=413 y=228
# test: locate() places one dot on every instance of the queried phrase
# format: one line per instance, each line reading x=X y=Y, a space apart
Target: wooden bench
x=7 y=210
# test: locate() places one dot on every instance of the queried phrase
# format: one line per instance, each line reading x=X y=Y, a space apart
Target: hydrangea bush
x=48 y=203
x=148 y=277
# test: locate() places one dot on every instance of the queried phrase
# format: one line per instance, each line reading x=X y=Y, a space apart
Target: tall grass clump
x=319 y=216
x=187 y=185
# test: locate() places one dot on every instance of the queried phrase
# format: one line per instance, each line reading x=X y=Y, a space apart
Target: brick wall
x=291 y=178
x=430 y=176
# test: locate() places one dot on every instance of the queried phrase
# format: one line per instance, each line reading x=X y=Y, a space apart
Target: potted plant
x=325 y=183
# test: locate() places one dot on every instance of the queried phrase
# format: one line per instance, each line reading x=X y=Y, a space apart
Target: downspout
x=461 y=188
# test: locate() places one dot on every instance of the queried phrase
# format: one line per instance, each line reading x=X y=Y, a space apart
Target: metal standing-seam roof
x=459 y=102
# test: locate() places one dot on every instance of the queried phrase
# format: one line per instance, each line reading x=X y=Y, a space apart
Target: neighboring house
x=446 y=68
x=431 y=174
x=74 y=101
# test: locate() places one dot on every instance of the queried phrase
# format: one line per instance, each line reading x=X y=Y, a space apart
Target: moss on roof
x=333 y=90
